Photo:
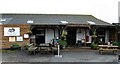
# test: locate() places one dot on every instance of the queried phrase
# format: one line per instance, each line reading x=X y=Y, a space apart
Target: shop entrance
x=101 y=35
x=39 y=35
x=119 y=37
x=71 y=37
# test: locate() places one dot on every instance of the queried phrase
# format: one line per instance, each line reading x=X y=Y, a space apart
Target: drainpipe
x=54 y=33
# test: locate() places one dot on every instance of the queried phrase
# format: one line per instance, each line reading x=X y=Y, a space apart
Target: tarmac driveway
x=68 y=56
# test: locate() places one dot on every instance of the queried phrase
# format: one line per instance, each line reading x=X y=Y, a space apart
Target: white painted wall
x=49 y=35
x=106 y=36
x=81 y=35
x=56 y=33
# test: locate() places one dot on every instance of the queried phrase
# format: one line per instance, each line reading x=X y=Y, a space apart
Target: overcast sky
x=106 y=10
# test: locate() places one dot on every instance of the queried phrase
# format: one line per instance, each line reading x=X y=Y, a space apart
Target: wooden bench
x=32 y=49
x=108 y=48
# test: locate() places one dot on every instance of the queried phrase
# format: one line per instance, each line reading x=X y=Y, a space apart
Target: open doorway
x=118 y=36
x=39 y=35
x=71 y=37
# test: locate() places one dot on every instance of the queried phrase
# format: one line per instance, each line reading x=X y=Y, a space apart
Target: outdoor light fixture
x=64 y=22
x=91 y=22
x=30 y=21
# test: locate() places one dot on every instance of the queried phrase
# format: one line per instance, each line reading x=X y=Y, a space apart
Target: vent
x=91 y=22
x=30 y=21
x=64 y=22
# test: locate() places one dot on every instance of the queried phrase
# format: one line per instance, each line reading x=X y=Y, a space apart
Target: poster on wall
x=11 y=39
x=26 y=35
x=19 y=38
x=11 y=31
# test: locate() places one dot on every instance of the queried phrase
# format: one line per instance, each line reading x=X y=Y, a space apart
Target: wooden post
x=85 y=37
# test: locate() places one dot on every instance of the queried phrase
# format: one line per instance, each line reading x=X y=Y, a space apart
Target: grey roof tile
x=54 y=19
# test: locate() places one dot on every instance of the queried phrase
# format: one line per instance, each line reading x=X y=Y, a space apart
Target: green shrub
x=14 y=45
x=115 y=43
x=62 y=42
x=94 y=46
x=118 y=43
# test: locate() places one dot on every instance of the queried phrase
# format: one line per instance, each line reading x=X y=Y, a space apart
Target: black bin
x=79 y=43
x=118 y=56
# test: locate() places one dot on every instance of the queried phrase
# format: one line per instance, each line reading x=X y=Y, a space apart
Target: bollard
x=60 y=56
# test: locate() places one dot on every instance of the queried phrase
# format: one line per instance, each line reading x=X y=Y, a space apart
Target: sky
x=106 y=10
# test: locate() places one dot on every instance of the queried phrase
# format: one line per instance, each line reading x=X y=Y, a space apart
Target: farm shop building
x=45 y=27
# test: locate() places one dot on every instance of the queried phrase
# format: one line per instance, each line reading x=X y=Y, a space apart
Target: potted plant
x=15 y=46
x=117 y=43
x=94 y=45
x=62 y=42
x=26 y=46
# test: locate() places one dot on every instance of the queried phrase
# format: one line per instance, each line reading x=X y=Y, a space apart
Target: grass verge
x=7 y=51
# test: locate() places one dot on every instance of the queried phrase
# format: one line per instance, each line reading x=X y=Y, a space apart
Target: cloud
x=106 y=10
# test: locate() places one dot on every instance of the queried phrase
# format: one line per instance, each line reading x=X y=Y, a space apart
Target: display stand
x=60 y=56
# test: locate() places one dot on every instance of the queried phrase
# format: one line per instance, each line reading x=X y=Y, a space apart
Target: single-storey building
x=118 y=30
x=14 y=28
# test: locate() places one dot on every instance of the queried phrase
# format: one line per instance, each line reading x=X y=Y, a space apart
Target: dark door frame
x=71 y=36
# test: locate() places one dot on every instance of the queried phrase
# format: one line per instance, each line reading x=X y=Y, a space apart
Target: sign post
x=60 y=56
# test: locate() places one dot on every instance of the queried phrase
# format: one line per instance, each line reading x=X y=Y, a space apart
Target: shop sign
x=11 y=31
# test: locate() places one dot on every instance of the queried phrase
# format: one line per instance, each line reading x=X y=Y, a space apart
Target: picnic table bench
x=108 y=48
x=47 y=48
x=44 y=48
x=32 y=49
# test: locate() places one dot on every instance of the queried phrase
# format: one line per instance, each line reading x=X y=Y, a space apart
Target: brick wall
x=5 y=39
x=1 y=36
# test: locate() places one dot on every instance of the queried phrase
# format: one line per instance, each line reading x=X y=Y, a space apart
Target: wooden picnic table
x=46 y=48
x=108 y=48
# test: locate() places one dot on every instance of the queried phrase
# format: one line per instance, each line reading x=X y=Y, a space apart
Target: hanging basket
x=28 y=32
x=94 y=36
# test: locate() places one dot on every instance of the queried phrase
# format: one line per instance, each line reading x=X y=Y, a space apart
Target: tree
x=94 y=28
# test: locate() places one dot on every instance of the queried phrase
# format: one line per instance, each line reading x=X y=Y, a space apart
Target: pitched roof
x=51 y=19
